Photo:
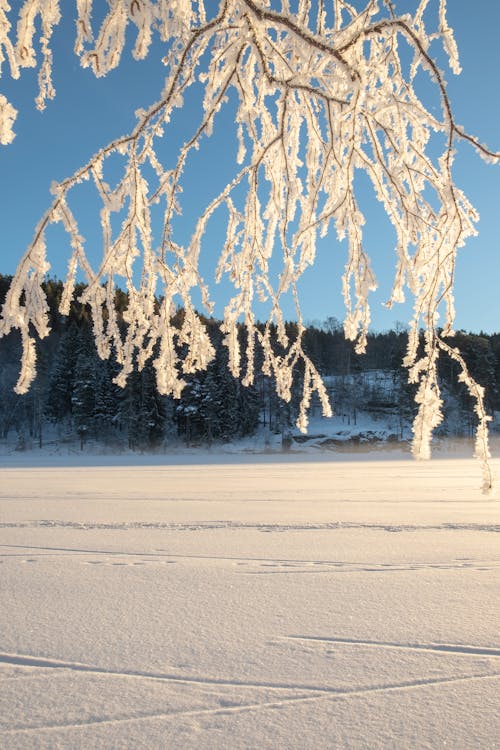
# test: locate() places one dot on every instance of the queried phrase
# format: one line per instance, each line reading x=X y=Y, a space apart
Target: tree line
x=74 y=396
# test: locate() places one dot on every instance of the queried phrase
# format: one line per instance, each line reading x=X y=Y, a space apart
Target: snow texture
x=223 y=604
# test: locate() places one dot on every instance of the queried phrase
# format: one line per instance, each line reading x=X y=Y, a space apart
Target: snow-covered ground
x=252 y=603
x=368 y=432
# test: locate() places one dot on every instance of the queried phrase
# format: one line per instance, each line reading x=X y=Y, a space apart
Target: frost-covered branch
x=322 y=92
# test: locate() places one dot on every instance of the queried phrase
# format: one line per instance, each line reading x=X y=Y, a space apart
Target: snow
x=228 y=602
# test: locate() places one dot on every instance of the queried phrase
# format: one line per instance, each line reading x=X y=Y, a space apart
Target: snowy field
x=293 y=604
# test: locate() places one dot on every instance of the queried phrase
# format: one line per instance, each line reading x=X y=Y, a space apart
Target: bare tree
x=323 y=90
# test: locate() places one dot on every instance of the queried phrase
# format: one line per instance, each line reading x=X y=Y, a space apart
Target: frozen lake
x=219 y=606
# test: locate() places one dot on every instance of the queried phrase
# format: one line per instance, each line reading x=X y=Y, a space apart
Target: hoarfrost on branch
x=323 y=89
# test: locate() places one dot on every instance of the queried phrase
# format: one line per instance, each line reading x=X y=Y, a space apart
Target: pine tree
x=84 y=388
x=62 y=376
x=143 y=411
x=107 y=401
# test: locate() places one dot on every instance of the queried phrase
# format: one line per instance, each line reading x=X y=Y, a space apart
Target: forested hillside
x=74 y=397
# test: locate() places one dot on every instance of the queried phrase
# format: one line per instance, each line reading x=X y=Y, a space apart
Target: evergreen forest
x=74 y=398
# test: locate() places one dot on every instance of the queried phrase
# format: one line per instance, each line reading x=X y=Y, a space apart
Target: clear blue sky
x=86 y=114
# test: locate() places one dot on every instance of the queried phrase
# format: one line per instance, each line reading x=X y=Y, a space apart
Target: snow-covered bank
x=291 y=605
x=327 y=440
